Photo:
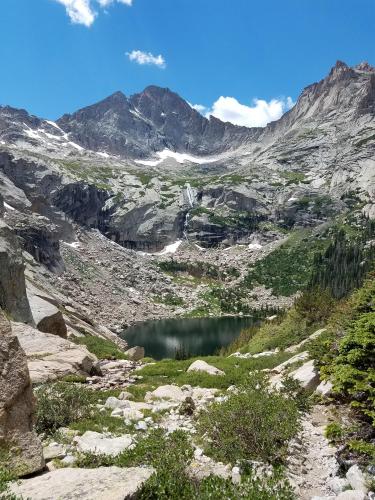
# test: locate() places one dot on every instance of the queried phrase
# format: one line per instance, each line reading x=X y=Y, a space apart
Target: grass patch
x=170 y=299
x=102 y=348
x=171 y=371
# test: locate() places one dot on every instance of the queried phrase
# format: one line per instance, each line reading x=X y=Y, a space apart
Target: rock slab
x=94 y=442
x=103 y=483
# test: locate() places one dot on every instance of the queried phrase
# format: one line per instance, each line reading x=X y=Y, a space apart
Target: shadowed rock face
x=150 y=121
x=17 y=406
x=13 y=298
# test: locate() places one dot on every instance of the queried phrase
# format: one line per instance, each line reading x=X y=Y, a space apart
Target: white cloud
x=146 y=58
x=79 y=11
x=82 y=11
x=228 y=109
x=106 y=3
x=199 y=107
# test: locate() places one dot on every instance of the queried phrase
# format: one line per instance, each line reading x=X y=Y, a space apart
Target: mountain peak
x=365 y=67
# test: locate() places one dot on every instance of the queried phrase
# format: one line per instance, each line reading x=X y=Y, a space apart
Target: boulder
x=47 y=317
x=114 y=403
x=357 y=479
x=324 y=388
x=94 y=442
x=17 y=406
x=53 y=451
x=307 y=375
x=171 y=392
x=135 y=353
x=294 y=359
x=202 y=366
x=86 y=484
x=51 y=357
x=132 y=414
x=351 y=495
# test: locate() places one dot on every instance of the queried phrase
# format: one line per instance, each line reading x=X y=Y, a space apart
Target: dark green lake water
x=195 y=336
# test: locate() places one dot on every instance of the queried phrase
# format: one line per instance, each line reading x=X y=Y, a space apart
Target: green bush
x=334 y=431
x=60 y=404
x=254 y=424
x=350 y=360
x=102 y=348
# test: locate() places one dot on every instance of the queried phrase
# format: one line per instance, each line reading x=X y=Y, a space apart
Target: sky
x=243 y=61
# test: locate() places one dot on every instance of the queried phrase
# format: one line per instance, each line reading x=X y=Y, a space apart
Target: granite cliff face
x=148 y=170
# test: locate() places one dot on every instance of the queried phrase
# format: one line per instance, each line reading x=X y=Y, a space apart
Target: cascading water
x=190 y=197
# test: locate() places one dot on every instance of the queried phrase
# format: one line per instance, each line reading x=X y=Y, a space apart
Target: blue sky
x=57 y=58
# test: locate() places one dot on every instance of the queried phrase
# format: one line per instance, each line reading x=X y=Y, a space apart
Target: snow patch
x=75 y=244
x=53 y=124
x=104 y=155
x=8 y=207
x=172 y=248
x=179 y=157
x=254 y=246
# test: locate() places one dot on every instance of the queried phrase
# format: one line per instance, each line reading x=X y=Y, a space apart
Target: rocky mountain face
x=149 y=170
x=155 y=119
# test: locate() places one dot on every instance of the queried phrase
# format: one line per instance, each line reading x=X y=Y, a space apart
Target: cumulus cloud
x=140 y=57
x=261 y=112
x=199 y=107
x=106 y=3
x=258 y=115
x=79 y=11
x=82 y=11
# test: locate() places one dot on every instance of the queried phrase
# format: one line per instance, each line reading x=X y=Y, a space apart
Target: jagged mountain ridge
x=83 y=165
x=150 y=121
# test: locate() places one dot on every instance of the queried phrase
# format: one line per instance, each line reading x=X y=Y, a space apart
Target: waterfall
x=190 y=197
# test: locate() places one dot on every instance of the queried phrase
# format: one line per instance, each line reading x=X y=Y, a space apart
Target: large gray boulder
x=94 y=442
x=17 y=406
x=13 y=297
x=103 y=483
x=51 y=357
x=135 y=353
x=307 y=375
x=47 y=317
x=201 y=366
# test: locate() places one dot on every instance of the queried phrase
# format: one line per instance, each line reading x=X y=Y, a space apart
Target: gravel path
x=312 y=465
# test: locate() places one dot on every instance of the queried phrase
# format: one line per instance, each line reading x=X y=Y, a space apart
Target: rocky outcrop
x=94 y=442
x=47 y=317
x=13 y=297
x=51 y=357
x=17 y=438
x=87 y=484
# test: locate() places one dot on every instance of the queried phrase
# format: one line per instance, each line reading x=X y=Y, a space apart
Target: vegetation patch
x=170 y=371
x=287 y=269
x=102 y=348
x=255 y=423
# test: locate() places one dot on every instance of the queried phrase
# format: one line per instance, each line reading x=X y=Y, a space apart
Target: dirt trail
x=312 y=464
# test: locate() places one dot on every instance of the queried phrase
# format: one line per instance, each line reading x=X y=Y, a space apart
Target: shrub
x=254 y=424
x=350 y=360
x=334 y=431
x=102 y=348
x=61 y=404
